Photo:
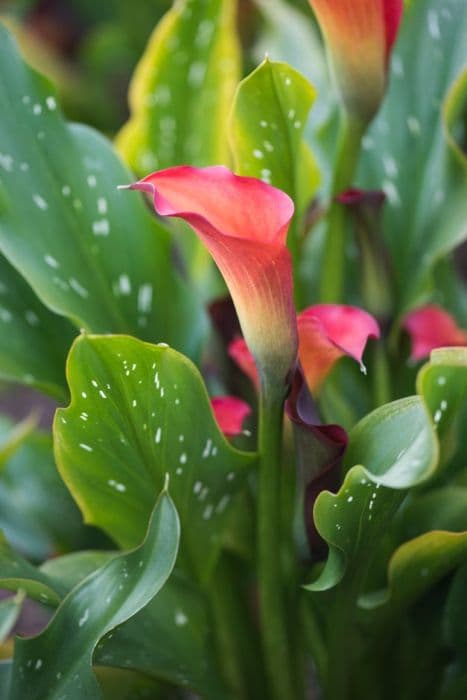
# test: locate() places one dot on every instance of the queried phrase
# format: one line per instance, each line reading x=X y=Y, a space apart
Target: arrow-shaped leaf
x=57 y=663
x=139 y=411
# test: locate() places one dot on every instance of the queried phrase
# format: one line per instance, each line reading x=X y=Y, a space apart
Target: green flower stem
x=236 y=637
x=274 y=619
x=381 y=379
x=348 y=149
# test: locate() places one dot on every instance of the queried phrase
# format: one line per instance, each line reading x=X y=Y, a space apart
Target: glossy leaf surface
x=269 y=115
x=393 y=449
x=152 y=404
x=427 y=191
x=92 y=255
x=58 y=661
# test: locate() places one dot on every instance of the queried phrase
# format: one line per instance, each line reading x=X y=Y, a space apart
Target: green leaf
x=12 y=436
x=268 y=118
x=37 y=513
x=393 y=448
x=93 y=255
x=396 y=443
x=16 y=573
x=455 y=620
x=182 y=90
x=443 y=383
x=415 y=567
x=34 y=342
x=72 y=568
x=410 y=151
x=57 y=663
x=179 y=615
x=269 y=115
x=138 y=412
x=10 y=609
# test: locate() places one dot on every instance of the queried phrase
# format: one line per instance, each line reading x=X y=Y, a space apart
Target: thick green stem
x=237 y=639
x=332 y=279
x=276 y=643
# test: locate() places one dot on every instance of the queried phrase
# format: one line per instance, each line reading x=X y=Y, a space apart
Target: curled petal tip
x=327 y=332
x=125 y=187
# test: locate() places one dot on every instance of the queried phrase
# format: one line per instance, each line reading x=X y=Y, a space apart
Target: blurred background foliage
x=89 y=49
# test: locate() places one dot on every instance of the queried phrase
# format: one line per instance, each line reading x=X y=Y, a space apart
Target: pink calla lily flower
x=326 y=333
x=359 y=35
x=243 y=222
x=431 y=327
x=230 y=413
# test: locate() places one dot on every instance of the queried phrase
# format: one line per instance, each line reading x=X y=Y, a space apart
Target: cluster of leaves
x=91 y=281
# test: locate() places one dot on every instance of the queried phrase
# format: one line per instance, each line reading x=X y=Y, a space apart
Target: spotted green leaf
x=443 y=383
x=57 y=663
x=137 y=412
x=178 y=616
x=182 y=89
x=33 y=341
x=92 y=255
x=269 y=114
x=411 y=150
x=268 y=118
x=393 y=448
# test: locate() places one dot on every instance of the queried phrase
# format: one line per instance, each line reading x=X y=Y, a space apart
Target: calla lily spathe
x=326 y=333
x=359 y=36
x=431 y=327
x=243 y=222
x=230 y=413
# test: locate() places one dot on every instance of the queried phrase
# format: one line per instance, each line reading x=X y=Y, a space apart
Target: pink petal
x=328 y=332
x=431 y=327
x=243 y=222
x=230 y=413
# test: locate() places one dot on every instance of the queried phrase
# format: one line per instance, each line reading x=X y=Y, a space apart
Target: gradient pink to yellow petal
x=326 y=333
x=243 y=222
x=359 y=35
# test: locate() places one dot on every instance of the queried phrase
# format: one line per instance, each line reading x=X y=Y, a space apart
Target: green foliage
x=181 y=93
x=40 y=519
x=93 y=255
x=58 y=662
x=34 y=342
x=152 y=401
x=411 y=152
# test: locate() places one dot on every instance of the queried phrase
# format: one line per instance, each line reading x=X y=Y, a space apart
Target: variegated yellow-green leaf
x=182 y=90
